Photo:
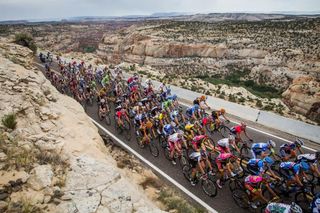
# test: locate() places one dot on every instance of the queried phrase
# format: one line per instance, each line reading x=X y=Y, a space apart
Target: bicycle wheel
x=183 y=161
x=167 y=153
x=108 y=119
x=186 y=169
x=245 y=151
x=224 y=131
x=154 y=149
x=241 y=198
x=303 y=199
x=209 y=187
x=162 y=142
x=234 y=184
x=126 y=125
x=210 y=127
x=243 y=164
x=140 y=142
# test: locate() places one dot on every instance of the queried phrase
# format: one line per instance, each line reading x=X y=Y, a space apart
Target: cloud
x=35 y=9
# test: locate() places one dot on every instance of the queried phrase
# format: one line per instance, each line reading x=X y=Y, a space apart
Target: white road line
x=263 y=132
x=156 y=168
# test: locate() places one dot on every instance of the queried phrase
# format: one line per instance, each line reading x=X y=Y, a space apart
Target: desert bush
x=25 y=40
x=9 y=121
x=151 y=181
x=259 y=103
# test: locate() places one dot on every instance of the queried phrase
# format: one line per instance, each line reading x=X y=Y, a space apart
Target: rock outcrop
x=304 y=97
x=54 y=158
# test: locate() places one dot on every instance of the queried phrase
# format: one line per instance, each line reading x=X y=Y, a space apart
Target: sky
x=43 y=9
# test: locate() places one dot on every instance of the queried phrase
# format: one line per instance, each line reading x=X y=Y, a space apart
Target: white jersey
x=173 y=138
x=223 y=142
x=310 y=157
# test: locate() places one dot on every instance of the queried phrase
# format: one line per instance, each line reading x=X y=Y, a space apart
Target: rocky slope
x=55 y=160
x=269 y=54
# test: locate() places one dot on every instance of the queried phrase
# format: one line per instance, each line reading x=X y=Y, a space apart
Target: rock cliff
x=54 y=159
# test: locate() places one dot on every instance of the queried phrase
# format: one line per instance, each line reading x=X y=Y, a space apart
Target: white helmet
x=231 y=138
x=148 y=81
x=272 y=143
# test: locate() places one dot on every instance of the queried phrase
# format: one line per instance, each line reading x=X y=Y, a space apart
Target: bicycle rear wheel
x=154 y=149
x=224 y=131
x=209 y=187
x=241 y=198
x=108 y=119
x=186 y=169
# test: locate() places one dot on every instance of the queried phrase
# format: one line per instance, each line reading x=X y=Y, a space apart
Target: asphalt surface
x=223 y=202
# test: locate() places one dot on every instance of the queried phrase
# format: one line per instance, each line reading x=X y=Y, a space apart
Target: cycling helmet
x=174 y=97
x=203 y=97
x=292 y=145
x=304 y=166
x=222 y=110
x=243 y=125
x=196 y=106
x=272 y=143
x=299 y=142
x=295 y=208
x=231 y=138
x=102 y=101
x=118 y=108
x=268 y=160
x=175 y=113
x=148 y=81
x=173 y=124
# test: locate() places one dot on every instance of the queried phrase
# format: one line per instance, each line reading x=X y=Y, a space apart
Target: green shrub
x=9 y=121
x=259 y=103
x=26 y=41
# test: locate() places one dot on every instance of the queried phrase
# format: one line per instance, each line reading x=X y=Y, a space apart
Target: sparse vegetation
x=151 y=181
x=25 y=40
x=174 y=202
x=9 y=121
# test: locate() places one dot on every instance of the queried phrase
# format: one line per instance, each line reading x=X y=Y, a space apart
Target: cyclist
x=312 y=160
x=261 y=166
x=262 y=148
x=224 y=143
x=283 y=208
x=223 y=161
x=291 y=172
x=197 y=164
x=193 y=111
x=237 y=130
x=168 y=129
x=215 y=115
x=202 y=103
x=253 y=184
x=120 y=113
x=288 y=150
x=174 y=142
x=103 y=108
x=199 y=143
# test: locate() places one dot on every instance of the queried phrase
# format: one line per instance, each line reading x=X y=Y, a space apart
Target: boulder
x=41 y=177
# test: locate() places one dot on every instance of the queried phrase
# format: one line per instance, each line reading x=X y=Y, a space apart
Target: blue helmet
x=268 y=160
x=174 y=97
x=304 y=166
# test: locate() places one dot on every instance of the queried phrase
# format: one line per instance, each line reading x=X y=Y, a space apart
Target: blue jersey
x=257 y=164
x=294 y=167
x=168 y=129
x=260 y=146
x=192 y=110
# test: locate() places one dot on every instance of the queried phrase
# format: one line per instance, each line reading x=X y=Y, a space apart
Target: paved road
x=223 y=202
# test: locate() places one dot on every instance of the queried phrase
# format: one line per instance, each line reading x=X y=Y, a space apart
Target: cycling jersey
x=173 y=114
x=223 y=142
x=174 y=138
x=255 y=166
x=222 y=160
x=194 y=157
x=285 y=149
x=189 y=127
x=277 y=207
x=197 y=140
x=258 y=148
x=168 y=129
x=236 y=129
x=252 y=182
x=166 y=104
x=289 y=169
x=105 y=80
x=310 y=158
x=192 y=110
x=120 y=113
